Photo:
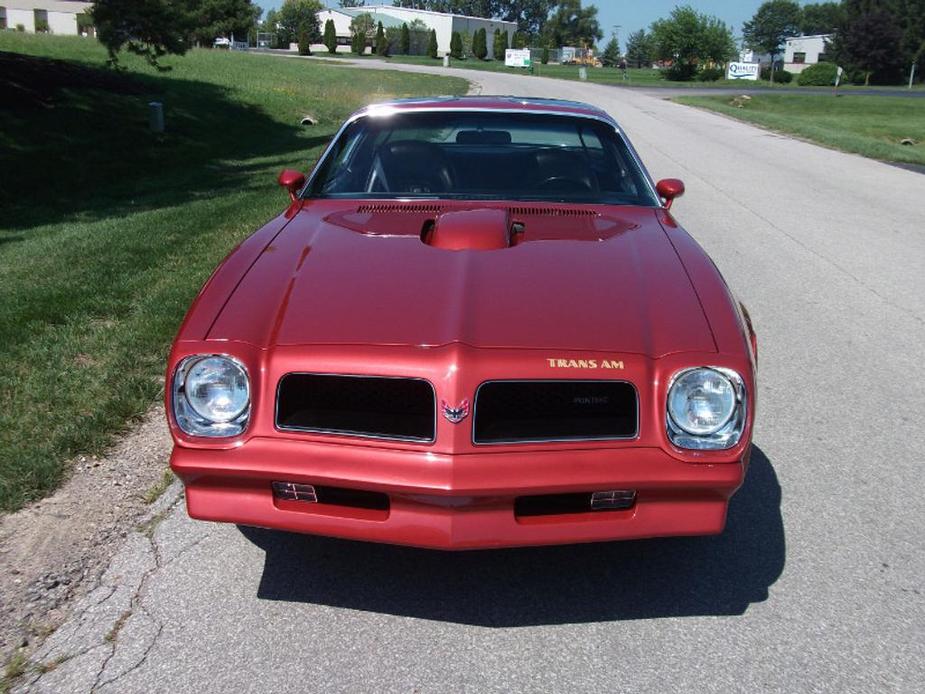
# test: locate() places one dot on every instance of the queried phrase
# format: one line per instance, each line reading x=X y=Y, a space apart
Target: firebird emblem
x=456 y=414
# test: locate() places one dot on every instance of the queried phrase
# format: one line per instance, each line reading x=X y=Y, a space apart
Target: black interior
x=413 y=167
x=483 y=156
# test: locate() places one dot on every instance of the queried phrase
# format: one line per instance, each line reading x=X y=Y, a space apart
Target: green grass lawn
x=869 y=125
x=107 y=230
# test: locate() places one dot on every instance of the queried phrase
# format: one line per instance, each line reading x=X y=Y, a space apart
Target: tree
x=352 y=3
x=330 y=36
x=544 y=56
x=404 y=44
x=879 y=56
x=499 y=47
x=305 y=42
x=296 y=17
x=480 y=44
x=212 y=18
x=912 y=21
x=611 y=55
x=688 y=39
x=870 y=43
x=361 y=30
x=432 y=44
x=573 y=25
x=530 y=15
x=382 y=43
x=639 y=49
x=821 y=18
x=520 y=40
x=456 y=46
x=419 y=37
x=774 y=21
x=149 y=28
x=392 y=39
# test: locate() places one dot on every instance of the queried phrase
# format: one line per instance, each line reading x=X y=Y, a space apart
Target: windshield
x=483 y=155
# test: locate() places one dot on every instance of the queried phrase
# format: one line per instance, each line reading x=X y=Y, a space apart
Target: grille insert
x=367 y=406
x=526 y=411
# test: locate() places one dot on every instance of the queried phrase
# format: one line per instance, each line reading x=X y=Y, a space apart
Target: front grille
x=524 y=411
x=369 y=406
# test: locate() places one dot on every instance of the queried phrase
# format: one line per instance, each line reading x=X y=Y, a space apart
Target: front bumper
x=461 y=501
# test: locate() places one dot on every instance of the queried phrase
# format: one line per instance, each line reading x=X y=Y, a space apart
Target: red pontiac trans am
x=476 y=324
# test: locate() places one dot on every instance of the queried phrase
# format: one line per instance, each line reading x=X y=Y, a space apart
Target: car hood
x=596 y=279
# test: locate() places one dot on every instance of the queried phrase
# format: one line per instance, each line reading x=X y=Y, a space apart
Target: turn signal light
x=612 y=500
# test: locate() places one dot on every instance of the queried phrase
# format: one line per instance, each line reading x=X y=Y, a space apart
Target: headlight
x=706 y=408
x=211 y=396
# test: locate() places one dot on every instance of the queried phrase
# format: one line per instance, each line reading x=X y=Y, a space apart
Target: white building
x=342 y=18
x=60 y=16
x=747 y=55
x=802 y=51
x=444 y=24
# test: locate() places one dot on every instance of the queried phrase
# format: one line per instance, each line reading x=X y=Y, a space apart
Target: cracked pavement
x=816 y=584
x=111 y=630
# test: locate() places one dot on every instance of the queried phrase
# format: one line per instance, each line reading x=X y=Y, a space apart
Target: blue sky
x=636 y=14
x=639 y=14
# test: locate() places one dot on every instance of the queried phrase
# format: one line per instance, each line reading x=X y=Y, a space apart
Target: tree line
x=874 y=40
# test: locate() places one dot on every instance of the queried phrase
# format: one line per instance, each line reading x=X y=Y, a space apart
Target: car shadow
x=675 y=577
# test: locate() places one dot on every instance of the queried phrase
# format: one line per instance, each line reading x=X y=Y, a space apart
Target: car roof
x=489 y=103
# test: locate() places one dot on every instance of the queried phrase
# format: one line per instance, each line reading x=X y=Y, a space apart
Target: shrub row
x=818 y=75
x=780 y=76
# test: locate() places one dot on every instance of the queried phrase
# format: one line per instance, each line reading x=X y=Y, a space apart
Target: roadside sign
x=517 y=57
x=743 y=71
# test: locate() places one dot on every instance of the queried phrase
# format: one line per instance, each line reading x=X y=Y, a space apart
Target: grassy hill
x=107 y=230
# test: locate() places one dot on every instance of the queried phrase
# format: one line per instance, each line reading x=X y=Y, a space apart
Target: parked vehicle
x=476 y=324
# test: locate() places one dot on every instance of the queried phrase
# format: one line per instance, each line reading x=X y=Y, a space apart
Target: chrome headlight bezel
x=725 y=435
x=192 y=422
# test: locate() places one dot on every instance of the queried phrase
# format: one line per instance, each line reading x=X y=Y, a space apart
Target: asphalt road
x=816 y=585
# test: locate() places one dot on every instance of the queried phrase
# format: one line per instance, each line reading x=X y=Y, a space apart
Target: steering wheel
x=564 y=184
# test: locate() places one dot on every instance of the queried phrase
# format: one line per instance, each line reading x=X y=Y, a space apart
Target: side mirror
x=293 y=181
x=668 y=189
